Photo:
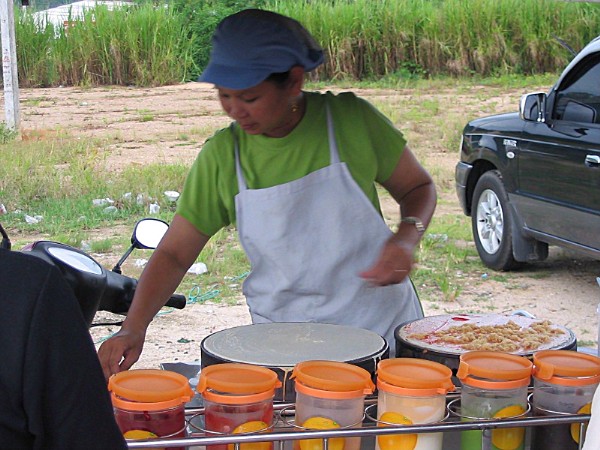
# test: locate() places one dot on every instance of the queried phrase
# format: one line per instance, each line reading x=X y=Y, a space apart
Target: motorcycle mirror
x=146 y=235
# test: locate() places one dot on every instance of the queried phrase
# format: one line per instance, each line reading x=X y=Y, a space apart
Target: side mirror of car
x=532 y=107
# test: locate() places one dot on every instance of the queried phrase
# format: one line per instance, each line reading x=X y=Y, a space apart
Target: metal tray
x=282 y=434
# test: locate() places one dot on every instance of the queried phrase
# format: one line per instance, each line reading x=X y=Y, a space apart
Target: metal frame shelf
x=282 y=432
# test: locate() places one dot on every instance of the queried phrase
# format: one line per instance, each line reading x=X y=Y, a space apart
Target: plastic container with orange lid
x=564 y=382
x=238 y=398
x=411 y=391
x=150 y=403
x=494 y=385
x=330 y=394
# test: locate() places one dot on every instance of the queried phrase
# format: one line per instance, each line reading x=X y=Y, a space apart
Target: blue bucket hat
x=252 y=44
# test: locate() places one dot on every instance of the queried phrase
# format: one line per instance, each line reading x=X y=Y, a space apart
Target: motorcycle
x=96 y=288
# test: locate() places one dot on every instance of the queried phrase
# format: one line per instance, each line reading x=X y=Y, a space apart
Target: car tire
x=491 y=219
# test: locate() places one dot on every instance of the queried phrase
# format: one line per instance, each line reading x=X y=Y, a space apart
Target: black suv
x=532 y=178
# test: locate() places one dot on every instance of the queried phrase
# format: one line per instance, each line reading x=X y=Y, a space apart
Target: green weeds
x=6 y=134
x=59 y=180
x=228 y=266
x=397 y=41
x=447 y=254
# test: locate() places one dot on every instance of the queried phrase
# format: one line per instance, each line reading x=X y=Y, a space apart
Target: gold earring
x=295 y=107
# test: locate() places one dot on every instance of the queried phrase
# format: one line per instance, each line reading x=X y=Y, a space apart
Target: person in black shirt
x=53 y=394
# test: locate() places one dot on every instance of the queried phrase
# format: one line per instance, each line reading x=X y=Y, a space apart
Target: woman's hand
x=393 y=265
x=121 y=351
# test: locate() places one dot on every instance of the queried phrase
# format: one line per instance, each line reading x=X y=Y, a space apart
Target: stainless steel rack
x=283 y=433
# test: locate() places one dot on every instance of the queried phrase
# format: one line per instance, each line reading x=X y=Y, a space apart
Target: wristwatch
x=416 y=222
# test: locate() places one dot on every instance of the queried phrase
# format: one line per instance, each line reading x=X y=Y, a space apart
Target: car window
x=578 y=98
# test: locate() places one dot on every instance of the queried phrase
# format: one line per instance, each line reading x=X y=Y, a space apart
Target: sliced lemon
x=139 y=434
x=585 y=409
x=321 y=423
x=396 y=441
x=253 y=426
x=508 y=438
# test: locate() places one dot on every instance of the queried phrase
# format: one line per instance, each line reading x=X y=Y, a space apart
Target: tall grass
x=454 y=37
x=201 y=17
x=145 y=45
x=364 y=39
x=34 y=56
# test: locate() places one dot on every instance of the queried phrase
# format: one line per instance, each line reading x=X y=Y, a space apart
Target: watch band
x=418 y=223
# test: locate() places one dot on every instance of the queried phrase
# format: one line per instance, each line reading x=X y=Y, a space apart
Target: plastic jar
x=238 y=399
x=150 y=403
x=564 y=382
x=494 y=385
x=411 y=391
x=330 y=394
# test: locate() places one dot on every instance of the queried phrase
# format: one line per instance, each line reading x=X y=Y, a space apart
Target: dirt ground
x=167 y=124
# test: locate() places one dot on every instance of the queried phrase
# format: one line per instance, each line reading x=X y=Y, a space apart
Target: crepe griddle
x=448 y=354
x=280 y=346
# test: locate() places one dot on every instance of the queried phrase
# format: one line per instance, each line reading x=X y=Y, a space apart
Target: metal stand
x=283 y=434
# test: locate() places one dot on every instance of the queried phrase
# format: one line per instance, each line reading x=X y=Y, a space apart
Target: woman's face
x=265 y=108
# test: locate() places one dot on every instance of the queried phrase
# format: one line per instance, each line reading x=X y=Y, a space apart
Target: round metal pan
x=280 y=346
x=428 y=347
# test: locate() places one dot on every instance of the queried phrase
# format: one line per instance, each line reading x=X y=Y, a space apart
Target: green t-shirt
x=367 y=141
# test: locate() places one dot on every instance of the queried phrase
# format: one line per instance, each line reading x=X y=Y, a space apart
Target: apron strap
x=238 y=167
x=334 y=156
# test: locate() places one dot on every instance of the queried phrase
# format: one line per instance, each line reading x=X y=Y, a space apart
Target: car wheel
x=491 y=221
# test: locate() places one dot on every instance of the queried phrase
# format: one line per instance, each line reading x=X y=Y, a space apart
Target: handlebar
x=118 y=295
x=177 y=301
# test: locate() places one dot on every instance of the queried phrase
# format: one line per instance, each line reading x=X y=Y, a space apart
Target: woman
x=296 y=173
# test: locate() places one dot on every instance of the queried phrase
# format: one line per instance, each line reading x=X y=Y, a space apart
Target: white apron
x=307 y=241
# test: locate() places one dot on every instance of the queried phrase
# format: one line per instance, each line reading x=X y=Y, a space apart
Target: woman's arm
x=176 y=252
x=413 y=189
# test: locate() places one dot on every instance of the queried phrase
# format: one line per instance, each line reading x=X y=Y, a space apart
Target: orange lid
x=237 y=379
x=413 y=374
x=162 y=388
x=332 y=395
x=494 y=366
x=333 y=376
x=566 y=367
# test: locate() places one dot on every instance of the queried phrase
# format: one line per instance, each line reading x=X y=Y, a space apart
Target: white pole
x=9 y=65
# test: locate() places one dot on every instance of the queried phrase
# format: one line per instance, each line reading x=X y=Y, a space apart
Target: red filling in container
x=238 y=399
x=150 y=403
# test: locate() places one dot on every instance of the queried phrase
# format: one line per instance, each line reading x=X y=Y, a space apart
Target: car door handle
x=592 y=160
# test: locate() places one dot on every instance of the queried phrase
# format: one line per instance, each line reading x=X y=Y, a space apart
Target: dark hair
x=280 y=79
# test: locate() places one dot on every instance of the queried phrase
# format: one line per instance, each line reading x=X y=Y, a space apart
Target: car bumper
x=461 y=175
